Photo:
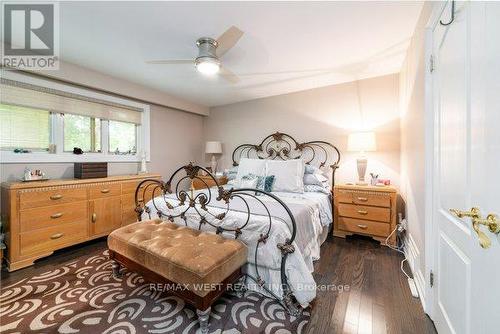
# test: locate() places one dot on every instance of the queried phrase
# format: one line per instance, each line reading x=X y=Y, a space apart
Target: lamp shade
x=361 y=142
x=213 y=147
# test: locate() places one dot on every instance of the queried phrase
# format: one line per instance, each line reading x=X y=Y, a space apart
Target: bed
x=282 y=230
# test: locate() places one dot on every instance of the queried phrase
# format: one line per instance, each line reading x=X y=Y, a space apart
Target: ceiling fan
x=209 y=52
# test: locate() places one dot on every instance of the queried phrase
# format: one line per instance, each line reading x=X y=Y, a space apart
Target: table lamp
x=361 y=142
x=213 y=147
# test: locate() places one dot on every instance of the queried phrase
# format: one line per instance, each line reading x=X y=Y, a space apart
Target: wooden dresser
x=365 y=210
x=41 y=217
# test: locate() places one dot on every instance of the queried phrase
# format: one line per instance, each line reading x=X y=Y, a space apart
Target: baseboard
x=412 y=254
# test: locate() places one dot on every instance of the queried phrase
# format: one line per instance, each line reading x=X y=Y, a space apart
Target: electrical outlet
x=402 y=226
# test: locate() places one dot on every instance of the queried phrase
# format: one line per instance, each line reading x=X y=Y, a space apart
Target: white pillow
x=288 y=175
x=250 y=166
x=249 y=181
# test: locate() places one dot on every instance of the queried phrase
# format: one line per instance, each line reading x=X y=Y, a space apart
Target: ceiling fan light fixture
x=207 y=65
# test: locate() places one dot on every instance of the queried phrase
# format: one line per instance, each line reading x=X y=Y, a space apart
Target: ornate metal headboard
x=283 y=146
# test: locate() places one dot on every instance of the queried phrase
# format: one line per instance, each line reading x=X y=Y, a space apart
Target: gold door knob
x=477 y=220
x=473 y=213
x=94 y=217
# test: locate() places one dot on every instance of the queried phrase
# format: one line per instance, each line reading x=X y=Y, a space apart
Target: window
x=82 y=132
x=122 y=137
x=49 y=119
x=24 y=128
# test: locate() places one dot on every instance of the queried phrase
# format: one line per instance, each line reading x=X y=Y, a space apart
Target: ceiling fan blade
x=227 y=40
x=171 y=61
x=228 y=75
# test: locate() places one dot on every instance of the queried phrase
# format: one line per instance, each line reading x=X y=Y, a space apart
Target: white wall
x=328 y=113
x=413 y=146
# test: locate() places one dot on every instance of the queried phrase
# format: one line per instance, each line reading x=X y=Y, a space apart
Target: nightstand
x=365 y=210
x=199 y=182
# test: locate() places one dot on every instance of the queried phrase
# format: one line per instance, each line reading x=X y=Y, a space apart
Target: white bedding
x=312 y=212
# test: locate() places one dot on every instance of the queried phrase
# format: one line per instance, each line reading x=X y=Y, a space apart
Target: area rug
x=83 y=297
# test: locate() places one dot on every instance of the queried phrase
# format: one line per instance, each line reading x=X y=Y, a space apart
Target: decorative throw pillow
x=265 y=183
x=249 y=181
x=231 y=173
x=315 y=179
x=308 y=169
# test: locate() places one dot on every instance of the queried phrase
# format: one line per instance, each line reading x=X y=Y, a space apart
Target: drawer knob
x=362 y=199
x=94 y=217
x=56 y=236
x=363 y=212
x=105 y=191
x=56 y=215
x=54 y=197
x=363 y=227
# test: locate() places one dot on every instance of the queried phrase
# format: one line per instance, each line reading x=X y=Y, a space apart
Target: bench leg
x=115 y=266
x=203 y=320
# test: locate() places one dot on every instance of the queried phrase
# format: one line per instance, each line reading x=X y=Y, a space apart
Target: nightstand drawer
x=201 y=182
x=362 y=198
x=364 y=226
x=364 y=212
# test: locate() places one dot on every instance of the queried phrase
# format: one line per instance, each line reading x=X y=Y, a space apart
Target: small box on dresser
x=365 y=210
x=90 y=170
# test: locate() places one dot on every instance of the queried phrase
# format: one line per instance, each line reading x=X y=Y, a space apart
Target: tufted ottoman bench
x=193 y=265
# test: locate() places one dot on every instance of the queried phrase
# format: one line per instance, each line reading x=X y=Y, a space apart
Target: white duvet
x=312 y=213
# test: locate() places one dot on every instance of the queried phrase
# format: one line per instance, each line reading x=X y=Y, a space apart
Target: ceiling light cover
x=207 y=65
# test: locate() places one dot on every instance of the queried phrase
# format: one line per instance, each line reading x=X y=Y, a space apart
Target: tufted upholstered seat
x=180 y=254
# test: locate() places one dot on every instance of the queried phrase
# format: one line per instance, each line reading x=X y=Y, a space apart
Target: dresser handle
x=54 y=197
x=363 y=227
x=56 y=215
x=94 y=217
x=363 y=212
x=56 y=236
x=362 y=199
x=105 y=191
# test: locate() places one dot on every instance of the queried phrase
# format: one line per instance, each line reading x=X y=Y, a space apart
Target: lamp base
x=213 y=164
x=361 y=165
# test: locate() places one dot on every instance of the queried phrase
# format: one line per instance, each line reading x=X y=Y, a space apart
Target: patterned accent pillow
x=231 y=173
x=249 y=181
x=266 y=183
x=312 y=188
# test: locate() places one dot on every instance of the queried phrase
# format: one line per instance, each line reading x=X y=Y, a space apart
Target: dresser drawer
x=105 y=190
x=372 y=199
x=364 y=226
x=52 y=238
x=130 y=187
x=35 y=199
x=48 y=216
x=364 y=212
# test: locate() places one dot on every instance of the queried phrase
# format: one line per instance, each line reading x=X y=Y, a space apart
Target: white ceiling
x=345 y=40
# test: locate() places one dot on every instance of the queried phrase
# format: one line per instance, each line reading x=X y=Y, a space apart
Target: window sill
x=43 y=157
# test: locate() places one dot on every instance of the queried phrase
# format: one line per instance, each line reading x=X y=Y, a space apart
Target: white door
x=466 y=95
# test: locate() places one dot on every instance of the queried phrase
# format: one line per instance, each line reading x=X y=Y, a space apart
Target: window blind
x=24 y=128
x=26 y=95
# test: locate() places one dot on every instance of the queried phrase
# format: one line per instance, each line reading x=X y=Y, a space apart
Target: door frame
x=430 y=142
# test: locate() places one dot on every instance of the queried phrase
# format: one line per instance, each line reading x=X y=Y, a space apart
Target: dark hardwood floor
x=378 y=299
